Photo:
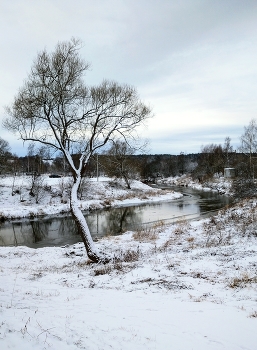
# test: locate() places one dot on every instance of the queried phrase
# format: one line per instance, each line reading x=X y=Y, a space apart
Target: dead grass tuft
x=171 y=241
x=163 y=283
x=242 y=281
x=103 y=270
x=216 y=233
x=253 y=314
x=181 y=227
x=146 y=234
x=121 y=263
x=131 y=255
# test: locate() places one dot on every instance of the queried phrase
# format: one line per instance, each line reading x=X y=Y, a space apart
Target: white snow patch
x=15 y=201
x=191 y=285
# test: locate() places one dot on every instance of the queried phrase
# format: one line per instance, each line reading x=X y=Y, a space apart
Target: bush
x=243 y=187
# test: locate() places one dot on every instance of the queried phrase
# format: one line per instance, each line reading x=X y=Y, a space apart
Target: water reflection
x=61 y=230
x=118 y=220
x=52 y=231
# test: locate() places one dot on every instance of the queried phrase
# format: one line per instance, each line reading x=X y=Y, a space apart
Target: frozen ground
x=53 y=198
x=218 y=183
x=191 y=285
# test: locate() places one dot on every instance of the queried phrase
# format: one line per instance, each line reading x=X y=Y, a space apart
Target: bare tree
x=4 y=147
x=4 y=153
x=244 y=185
x=119 y=162
x=30 y=157
x=227 y=150
x=249 y=142
x=210 y=162
x=36 y=187
x=42 y=154
x=56 y=108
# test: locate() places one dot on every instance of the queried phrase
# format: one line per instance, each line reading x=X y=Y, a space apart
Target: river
x=61 y=230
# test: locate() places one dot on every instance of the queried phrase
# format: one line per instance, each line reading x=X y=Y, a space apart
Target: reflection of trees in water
x=12 y=240
x=184 y=206
x=101 y=223
x=39 y=230
x=92 y=221
x=31 y=232
x=64 y=226
x=67 y=227
x=120 y=219
x=36 y=231
x=19 y=237
x=2 y=243
x=20 y=233
x=14 y=236
x=213 y=203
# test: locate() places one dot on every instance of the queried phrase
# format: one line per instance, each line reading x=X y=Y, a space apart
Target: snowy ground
x=191 y=285
x=218 y=183
x=53 y=197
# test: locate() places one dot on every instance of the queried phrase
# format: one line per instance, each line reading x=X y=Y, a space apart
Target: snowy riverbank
x=16 y=202
x=191 y=285
x=219 y=184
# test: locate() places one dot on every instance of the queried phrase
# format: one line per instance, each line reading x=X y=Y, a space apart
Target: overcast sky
x=193 y=61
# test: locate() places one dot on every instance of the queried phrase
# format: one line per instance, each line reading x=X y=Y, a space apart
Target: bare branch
x=56 y=108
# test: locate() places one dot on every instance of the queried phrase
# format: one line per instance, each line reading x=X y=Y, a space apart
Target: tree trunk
x=126 y=180
x=82 y=226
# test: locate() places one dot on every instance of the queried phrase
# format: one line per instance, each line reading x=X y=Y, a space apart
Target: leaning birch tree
x=55 y=107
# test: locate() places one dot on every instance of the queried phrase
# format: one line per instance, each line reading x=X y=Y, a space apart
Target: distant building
x=229 y=172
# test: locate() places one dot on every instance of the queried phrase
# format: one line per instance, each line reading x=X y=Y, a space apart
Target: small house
x=229 y=172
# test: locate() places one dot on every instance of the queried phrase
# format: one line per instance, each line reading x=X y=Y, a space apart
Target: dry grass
x=103 y=270
x=215 y=233
x=180 y=229
x=107 y=202
x=131 y=255
x=253 y=314
x=145 y=234
x=195 y=299
x=140 y=194
x=242 y=281
x=244 y=218
x=169 y=242
x=163 y=283
x=121 y=263
x=148 y=234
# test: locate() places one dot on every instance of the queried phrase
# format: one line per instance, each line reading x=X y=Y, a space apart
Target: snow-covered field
x=191 y=285
x=53 y=198
x=218 y=183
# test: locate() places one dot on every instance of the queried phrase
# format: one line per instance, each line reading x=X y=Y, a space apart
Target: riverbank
x=219 y=184
x=191 y=285
x=52 y=195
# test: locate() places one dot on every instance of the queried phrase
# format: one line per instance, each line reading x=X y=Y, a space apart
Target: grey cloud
x=192 y=141
x=193 y=61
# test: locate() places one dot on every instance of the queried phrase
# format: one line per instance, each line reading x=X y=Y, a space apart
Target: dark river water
x=61 y=230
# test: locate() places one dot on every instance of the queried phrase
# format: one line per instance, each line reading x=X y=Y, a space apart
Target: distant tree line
x=121 y=161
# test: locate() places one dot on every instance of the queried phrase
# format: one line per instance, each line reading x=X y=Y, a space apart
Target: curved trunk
x=125 y=177
x=82 y=226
